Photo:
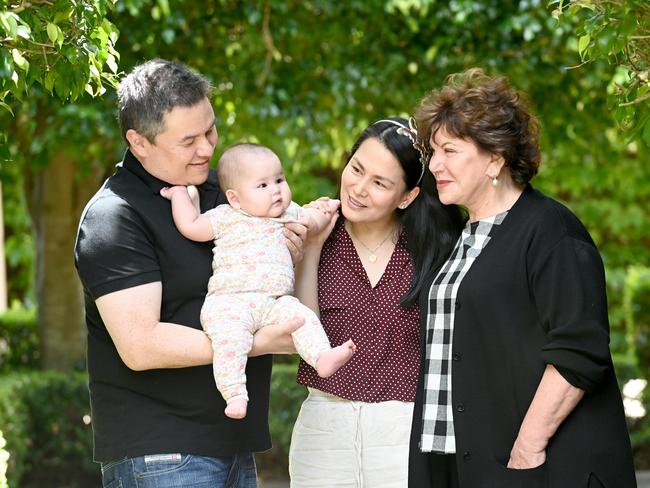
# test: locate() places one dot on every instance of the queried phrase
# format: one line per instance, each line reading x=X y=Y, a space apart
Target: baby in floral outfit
x=253 y=277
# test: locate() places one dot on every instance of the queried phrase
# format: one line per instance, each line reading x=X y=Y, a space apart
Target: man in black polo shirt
x=157 y=416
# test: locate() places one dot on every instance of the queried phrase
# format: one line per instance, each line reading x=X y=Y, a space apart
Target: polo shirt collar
x=132 y=164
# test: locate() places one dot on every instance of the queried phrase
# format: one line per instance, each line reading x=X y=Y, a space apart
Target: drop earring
x=495 y=181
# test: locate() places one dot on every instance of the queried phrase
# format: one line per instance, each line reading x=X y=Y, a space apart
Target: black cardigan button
x=460 y=407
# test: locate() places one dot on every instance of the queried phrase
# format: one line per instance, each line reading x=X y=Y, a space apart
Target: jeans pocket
x=180 y=471
x=114 y=484
x=113 y=473
x=520 y=478
x=106 y=467
x=157 y=464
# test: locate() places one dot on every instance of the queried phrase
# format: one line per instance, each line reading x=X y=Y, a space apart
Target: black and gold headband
x=411 y=132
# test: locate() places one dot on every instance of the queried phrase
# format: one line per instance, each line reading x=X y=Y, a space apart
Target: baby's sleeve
x=293 y=213
x=219 y=217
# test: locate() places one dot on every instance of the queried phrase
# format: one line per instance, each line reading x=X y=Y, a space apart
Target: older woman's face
x=461 y=170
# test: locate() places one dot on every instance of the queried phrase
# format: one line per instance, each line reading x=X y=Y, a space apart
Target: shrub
x=286 y=398
x=636 y=311
x=18 y=340
x=44 y=416
x=4 y=457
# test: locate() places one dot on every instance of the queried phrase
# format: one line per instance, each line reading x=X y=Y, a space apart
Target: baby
x=253 y=277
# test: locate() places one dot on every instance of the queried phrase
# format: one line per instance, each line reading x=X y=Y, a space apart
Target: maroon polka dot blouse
x=385 y=366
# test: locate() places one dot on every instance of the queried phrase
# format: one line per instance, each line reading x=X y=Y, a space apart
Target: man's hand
x=276 y=339
x=296 y=233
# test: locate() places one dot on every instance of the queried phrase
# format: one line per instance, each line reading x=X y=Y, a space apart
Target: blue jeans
x=181 y=471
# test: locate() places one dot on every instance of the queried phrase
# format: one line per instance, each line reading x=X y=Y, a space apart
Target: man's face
x=181 y=153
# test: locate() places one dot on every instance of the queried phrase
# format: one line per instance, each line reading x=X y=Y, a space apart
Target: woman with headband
x=363 y=279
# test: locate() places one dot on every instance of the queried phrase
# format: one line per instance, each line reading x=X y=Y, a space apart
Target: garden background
x=303 y=77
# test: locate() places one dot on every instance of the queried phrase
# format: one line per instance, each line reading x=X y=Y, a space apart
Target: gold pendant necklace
x=373 y=257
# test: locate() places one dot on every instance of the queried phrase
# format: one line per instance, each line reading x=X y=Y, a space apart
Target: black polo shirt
x=127 y=238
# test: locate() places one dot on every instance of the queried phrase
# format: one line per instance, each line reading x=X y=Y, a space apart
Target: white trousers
x=339 y=443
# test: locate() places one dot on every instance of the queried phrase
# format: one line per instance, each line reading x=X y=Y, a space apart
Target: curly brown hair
x=489 y=112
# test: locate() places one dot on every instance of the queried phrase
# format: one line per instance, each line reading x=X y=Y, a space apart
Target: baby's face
x=261 y=186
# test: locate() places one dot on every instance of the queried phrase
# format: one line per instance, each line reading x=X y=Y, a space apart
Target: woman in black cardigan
x=517 y=386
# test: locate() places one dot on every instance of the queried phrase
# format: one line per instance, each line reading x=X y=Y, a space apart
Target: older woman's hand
x=525 y=455
x=554 y=400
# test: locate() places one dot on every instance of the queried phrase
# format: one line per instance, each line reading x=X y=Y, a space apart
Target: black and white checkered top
x=437 y=419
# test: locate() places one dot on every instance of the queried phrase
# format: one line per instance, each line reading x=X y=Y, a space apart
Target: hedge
x=19 y=344
x=45 y=419
x=286 y=398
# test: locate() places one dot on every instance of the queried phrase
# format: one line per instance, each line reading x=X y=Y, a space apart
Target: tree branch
x=268 y=44
x=636 y=101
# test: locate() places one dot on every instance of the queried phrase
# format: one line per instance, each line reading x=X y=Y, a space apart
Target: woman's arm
x=306 y=286
x=554 y=400
x=306 y=271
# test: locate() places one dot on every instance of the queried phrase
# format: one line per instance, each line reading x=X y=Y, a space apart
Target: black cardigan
x=535 y=296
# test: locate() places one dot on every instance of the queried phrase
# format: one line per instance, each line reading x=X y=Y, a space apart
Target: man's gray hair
x=154 y=88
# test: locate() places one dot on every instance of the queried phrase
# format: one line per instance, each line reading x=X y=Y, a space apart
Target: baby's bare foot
x=237 y=409
x=330 y=361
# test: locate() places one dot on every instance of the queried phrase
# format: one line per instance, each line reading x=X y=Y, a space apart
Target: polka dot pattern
x=385 y=366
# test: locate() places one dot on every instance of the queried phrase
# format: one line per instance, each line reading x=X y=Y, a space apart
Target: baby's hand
x=326 y=205
x=333 y=205
x=321 y=215
x=168 y=191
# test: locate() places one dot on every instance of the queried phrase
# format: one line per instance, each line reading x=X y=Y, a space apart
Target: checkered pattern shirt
x=438 y=419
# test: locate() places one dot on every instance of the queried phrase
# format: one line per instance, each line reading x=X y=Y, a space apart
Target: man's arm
x=188 y=220
x=132 y=318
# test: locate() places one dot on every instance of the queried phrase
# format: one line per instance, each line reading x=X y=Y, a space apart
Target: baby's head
x=252 y=177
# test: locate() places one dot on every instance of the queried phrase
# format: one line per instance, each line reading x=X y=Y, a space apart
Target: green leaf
x=113 y=32
x=6 y=107
x=583 y=43
x=164 y=7
x=111 y=63
x=52 y=32
x=59 y=38
x=9 y=22
x=63 y=15
x=646 y=133
x=48 y=81
x=24 y=31
x=19 y=60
